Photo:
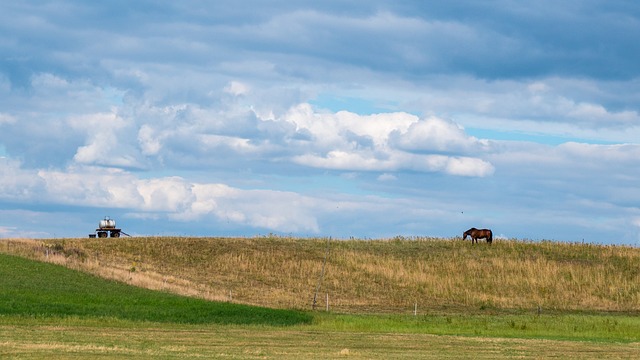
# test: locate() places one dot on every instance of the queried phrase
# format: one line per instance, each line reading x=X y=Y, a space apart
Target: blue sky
x=365 y=119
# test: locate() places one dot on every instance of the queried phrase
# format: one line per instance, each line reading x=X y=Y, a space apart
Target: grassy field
x=89 y=339
x=44 y=290
x=372 y=276
x=506 y=305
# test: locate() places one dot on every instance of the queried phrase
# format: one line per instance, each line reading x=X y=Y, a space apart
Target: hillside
x=373 y=276
x=30 y=288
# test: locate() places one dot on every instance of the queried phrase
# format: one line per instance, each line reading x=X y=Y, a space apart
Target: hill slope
x=39 y=289
x=437 y=275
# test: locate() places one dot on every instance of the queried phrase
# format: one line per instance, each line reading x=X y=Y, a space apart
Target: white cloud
x=267 y=209
x=464 y=166
x=612 y=154
x=387 y=142
x=237 y=88
x=49 y=82
x=560 y=107
x=105 y=145
x=174 y=197
x=150 y=144
x=601 y=117
x=17 y=184
x=85 y=187
x=14 y=232
x=191 y=135
x=330 y=130
x=399 y=161
x=348 y=161
x=387 y=177
x=170 y=194
x=207 y=119
x=7 y=119
x=237 y=145
x=537 y=87
x=437 y=135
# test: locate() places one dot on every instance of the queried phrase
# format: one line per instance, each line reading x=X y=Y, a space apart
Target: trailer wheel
x=115 y=234
x=102 y=234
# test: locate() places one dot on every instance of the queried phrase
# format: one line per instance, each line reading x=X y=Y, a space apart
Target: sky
x=329 y=118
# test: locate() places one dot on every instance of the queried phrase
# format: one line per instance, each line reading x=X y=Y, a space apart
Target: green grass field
x=47 y=310
x=45 y=290
x=88 y=339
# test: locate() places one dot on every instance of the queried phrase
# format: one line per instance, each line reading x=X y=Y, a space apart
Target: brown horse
x=476 y=234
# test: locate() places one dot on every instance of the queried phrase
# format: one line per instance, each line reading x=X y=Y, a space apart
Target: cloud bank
x=321 y=119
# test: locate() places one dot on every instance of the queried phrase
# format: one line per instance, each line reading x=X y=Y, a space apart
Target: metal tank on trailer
x=107 y=227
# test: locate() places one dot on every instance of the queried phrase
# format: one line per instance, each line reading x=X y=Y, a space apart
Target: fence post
x=327 y=301
x=415 y=309
x=324 y=263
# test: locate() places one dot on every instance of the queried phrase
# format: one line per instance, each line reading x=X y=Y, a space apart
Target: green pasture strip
x=574 y=327
x=604 y=328
x=77 y=338
x=35 y=289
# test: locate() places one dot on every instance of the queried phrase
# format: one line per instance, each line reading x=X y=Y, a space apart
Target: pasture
x=362 y=276
x=395 y=298
x=116 y=339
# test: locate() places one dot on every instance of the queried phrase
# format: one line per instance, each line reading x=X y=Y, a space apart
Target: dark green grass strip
x=30 y=288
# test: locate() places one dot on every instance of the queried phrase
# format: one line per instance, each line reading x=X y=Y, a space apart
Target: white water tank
x=107 y=223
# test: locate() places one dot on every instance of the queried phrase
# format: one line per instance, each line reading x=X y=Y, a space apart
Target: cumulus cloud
x=237 y=88
x=171 y=197
x=465 y=166
x=435 y=135
x=387 y=142
x=398 y=161
x=550 y=107
x=189 y=135
x=17 y=184
x=226 y=116
x=150 y=143
x=105 y=143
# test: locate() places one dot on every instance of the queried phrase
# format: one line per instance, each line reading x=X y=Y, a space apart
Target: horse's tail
x=490 y=238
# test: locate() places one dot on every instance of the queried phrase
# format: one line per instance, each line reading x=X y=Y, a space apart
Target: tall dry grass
x=362 y=275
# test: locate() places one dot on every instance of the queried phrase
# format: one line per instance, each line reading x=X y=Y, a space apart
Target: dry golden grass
x=362 y=275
